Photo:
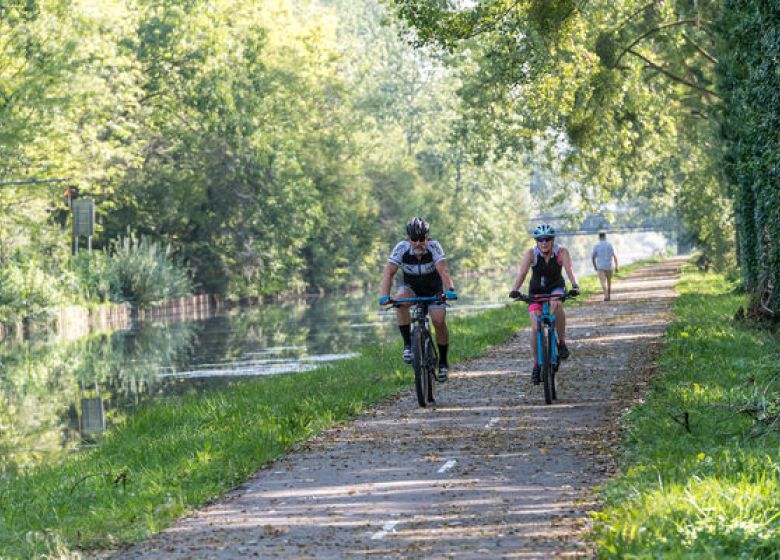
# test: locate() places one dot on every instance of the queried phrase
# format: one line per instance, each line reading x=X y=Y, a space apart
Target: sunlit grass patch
x=701 y=455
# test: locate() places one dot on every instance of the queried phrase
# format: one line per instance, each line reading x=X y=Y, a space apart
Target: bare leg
x=609 y=285
x=560 y=322
x=438 y=317
x=534 y=328
x=402 y=313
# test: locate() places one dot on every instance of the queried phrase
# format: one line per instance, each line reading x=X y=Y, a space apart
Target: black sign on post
x=83 y=221
x=93 y=421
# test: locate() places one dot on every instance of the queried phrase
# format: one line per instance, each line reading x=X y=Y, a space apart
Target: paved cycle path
x=490 y=472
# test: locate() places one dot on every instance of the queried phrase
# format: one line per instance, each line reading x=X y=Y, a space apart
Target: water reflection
x=56 y=395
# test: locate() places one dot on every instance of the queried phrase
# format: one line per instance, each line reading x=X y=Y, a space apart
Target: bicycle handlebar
x=429 y=299
x=538 y=298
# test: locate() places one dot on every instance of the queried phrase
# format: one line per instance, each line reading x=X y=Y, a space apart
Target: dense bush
x=93 y=280
x=133 y=269
x=142 y=271
x=749 y=67
x=27 y=291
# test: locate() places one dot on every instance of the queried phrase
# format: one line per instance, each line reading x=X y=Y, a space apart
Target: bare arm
x=614 y=257
x=444 y=271
x=566 y=260
x=387 y=279
x=525 y=265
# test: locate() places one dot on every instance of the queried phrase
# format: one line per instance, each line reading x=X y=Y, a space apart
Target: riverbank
x=700 y=462
x=174 y=456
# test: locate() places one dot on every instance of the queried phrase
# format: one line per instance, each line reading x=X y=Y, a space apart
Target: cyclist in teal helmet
x=546 y=261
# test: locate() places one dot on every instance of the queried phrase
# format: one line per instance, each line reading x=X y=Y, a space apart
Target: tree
x=618 y=92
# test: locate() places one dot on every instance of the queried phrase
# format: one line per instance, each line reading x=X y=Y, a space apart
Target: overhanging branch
x=701 y=49
x=672 y=76
x=646 y=34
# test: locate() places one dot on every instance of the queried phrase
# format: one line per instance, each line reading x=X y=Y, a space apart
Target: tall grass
x=141 y=271
x=711 y=490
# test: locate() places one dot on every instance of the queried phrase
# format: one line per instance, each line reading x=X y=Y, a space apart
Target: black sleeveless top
x=546 y=275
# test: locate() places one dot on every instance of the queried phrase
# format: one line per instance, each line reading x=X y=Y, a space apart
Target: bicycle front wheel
x=421 y=379
x=547 y=370
x=431 y=361
x=552 y=339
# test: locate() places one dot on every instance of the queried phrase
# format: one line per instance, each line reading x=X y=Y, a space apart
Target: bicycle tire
x=552 y=339
x=431 y=361
x=421 y=379
x=546 y=366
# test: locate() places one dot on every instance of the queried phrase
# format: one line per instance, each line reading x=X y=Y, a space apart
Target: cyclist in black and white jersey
x=425 y=274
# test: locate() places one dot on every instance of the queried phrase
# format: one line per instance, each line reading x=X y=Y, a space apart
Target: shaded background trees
x=637 y=99
x=279 y=146
x=273 y=146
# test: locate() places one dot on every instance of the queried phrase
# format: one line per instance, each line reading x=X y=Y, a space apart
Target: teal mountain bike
x=546 y=341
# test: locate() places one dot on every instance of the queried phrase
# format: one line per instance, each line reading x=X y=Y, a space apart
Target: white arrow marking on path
x=386 y=528
x=447 y=466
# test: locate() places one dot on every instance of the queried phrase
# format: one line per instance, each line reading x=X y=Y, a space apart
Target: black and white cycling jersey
x=420 y=274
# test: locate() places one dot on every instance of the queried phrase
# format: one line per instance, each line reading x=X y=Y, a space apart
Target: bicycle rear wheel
x=547 y=373
x=421 y=379
x=431 y=362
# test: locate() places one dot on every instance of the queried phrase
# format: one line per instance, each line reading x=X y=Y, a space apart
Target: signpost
x=83 y=222
x=83 y=210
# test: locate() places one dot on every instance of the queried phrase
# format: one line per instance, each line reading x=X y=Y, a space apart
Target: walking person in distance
x=603 y=257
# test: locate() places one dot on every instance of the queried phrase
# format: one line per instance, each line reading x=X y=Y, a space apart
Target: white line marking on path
x=447 y=466
x=493 y=422
x=386 y=528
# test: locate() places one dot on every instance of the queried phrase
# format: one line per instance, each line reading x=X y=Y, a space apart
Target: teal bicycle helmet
x=544 y=230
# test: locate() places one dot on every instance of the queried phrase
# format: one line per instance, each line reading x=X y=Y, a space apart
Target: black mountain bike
x=425 y=359
x=546 y=341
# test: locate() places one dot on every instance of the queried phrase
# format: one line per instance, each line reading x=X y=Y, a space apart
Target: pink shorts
x=538 y=306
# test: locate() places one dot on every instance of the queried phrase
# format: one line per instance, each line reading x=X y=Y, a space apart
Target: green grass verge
x=177 y=455
x=713 y=491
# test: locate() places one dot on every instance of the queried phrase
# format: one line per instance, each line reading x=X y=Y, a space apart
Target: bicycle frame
x=420 y=314
x=547 y=358
x=546 y=319
x=424 y=357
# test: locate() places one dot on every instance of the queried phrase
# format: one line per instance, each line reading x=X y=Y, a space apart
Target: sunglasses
x=543 y=239
x=417 y=238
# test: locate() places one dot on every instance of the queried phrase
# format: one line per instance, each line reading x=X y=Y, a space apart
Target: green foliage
x=615 y=97
x=748 y=69
x=711 y=491
x=275 y=146
x=92 y=271
x=27 y=291
x=141 y=271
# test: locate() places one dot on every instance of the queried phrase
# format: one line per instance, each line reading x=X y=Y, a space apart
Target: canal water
x=57 y=396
